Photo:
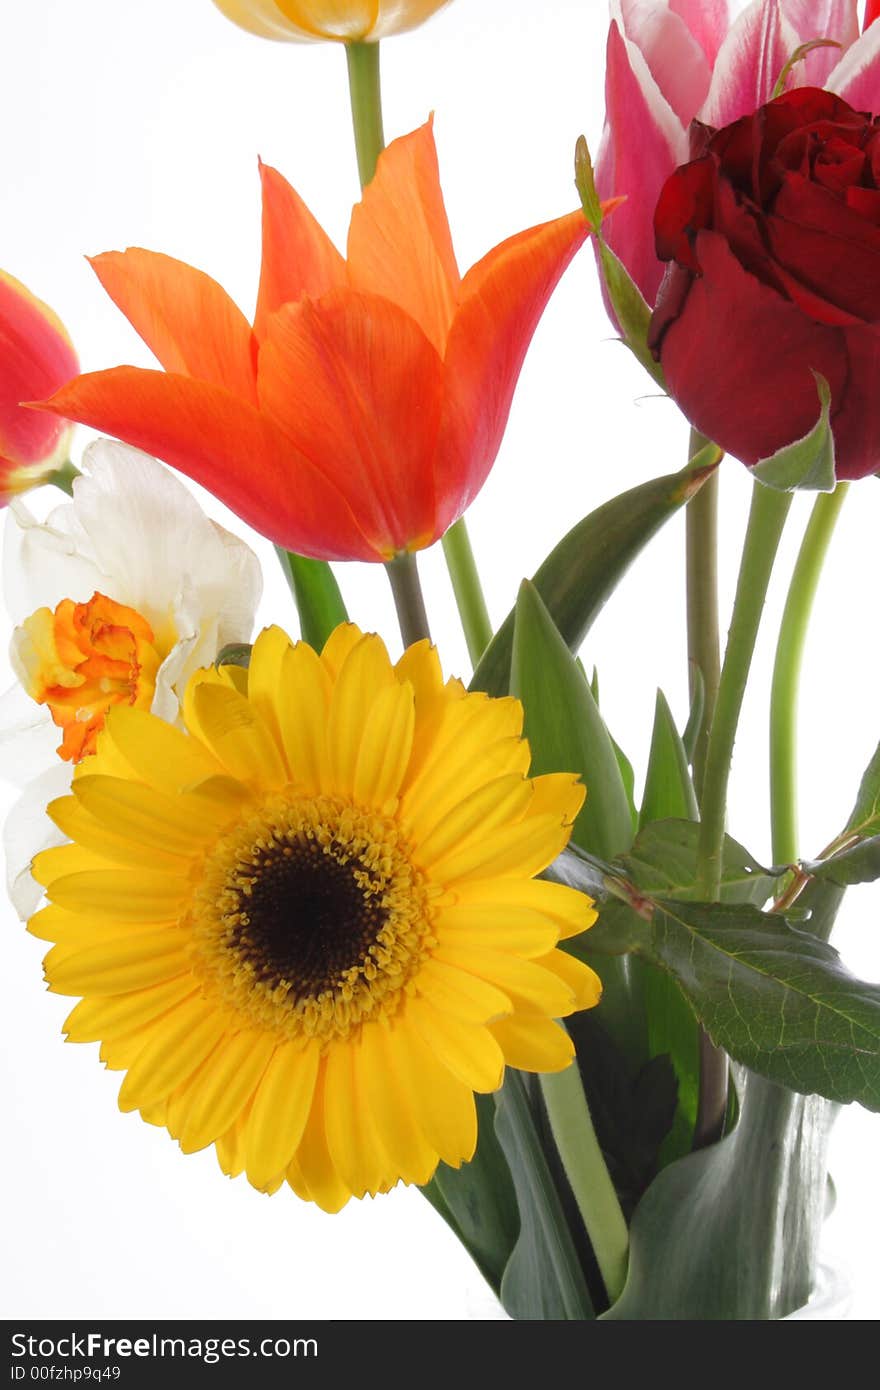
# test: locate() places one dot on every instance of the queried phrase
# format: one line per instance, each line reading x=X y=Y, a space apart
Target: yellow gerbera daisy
x=308 y=929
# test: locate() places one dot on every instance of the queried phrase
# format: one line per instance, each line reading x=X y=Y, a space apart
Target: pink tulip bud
x=36 y=358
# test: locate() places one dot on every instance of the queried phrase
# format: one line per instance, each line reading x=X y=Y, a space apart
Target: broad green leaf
x=318 y=600
x=730 y=1232
x=663 y=863
x=669 y=791
x=808 y=463
x=478 y=1200
x=564 y=728
x=581 y=573
x=778 y=999
x=860 y=864
x=543 y=1278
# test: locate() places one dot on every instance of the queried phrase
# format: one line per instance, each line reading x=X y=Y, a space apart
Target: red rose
x=774 y=238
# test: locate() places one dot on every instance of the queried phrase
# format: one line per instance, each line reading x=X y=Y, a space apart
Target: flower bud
x=342 y=21
x=36 y=358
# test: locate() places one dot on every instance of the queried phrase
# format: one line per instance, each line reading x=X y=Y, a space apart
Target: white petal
x=28 y=738
x=28 y=830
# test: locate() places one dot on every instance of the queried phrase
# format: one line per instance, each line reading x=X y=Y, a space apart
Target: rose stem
x=369 y=138
x=701 y=521
x=403 y=575
x=787 y=671
x=766 y=520
x=591 y=1185
x=704 y=667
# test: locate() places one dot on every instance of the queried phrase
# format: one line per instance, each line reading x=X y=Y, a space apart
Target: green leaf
x=865 y=817
x=478 y=1200
x=318 y=600
x=234 y=654
x=860 y=864
x=730 y=1232
x=543 y=1278
x=777 y=999
x=582 y=572
x=669 y=791
x=695 y=716
x=808 y=463
x=663 y=863
x=564 y=728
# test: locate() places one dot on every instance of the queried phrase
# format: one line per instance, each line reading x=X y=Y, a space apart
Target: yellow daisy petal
x=265 y=675
x=303 y=717
x=385 y=747
x=74 y=821
x=534 y=1044
x=468 y=1050
x=354 y=1147
x=443 y=1107
x=366 y=667
x=235 y=733
x=280 y=1111
x=187 y=1035
x=224 y=1086
x=534 y=988
x=313 y=1161
x=583 y=982
x=455 y=991
x=114 y=1015
x=411 y=1157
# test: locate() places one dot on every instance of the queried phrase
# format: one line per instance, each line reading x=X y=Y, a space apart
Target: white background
x=136 y=124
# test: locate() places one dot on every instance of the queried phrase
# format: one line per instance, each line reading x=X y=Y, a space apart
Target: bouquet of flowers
x=350 y=911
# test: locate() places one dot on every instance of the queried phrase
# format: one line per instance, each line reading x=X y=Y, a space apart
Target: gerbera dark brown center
x=310 y=917
x=307 y=916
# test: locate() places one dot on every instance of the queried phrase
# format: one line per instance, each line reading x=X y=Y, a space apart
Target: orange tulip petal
x=183 y=316
x=399 y=244
x=502 y=299
x=36 y=357
x=228 y=446
x=298 y=256
x=354 y=381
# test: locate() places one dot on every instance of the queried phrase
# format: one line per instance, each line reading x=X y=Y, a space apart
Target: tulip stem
x=366 y=106
x=403 y=575
x=575 y=1137
x=704 y=660
x=787 y=671
x=766 y=520
x=467 y=589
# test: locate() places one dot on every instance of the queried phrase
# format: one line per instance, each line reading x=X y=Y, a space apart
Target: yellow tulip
x=345 y=21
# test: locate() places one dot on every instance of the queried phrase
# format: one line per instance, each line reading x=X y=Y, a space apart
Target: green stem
x=588 y=1176
x=766 y=520
x=366 y=106
x=467 y=589
x=702 y=605
x=403 y=575
x=64 y=477
x=316 y=594
x=787 y=670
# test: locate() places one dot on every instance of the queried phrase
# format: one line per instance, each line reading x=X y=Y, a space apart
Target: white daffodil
x=119 y=596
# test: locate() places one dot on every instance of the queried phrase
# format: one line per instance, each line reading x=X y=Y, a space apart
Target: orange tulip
x=36 y=357
x=361 y=414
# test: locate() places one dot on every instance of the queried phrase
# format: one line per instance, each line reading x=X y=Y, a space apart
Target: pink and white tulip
x=670 y=62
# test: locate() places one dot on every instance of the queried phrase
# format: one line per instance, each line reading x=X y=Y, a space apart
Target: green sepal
x=543 y=1279
x=631 y=309
x=808 y=463
x=316 y=593
x=583 y=570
